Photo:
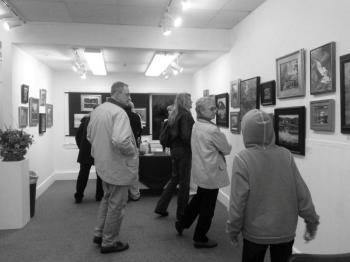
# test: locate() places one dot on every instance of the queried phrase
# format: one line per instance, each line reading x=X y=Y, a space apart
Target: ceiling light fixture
x=160 y=62
x=11 y=17
x=168 y=21
x=78 y=65
x=95 y=60
x=185 y=5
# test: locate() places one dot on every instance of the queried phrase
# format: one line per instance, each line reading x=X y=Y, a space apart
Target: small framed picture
x=42 y=123
x=206 y=92
x=268 y=93
x=222 y=105
x=235 y=93
x=322 y=115
x=250 y=95
x=24 y=94
x=89 y=102
x=49 y=115
x=22 y=116
x=33 y=111
x=235 y=122
x=42 y=97
x=290 y=128
x=345 y=93
x=322 y=69
x=290 y=71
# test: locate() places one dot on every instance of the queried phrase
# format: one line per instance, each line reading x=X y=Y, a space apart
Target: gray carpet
x=62 y=231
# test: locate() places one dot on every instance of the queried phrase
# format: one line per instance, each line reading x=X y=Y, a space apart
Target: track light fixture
x=10 y=18
x=78 y=65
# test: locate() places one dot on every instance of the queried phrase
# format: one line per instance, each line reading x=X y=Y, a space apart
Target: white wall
x=66 y=152
x=275 y=29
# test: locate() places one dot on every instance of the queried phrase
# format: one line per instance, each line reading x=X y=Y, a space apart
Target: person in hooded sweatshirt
x=267 y=194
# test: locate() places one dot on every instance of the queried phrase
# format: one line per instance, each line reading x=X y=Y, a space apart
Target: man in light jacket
x=209 y=172
x=114 y=149
x=267 y=194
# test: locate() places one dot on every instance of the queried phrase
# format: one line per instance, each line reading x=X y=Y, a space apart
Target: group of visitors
x=267 y=191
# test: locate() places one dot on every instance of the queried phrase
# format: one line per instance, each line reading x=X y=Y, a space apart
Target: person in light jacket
x=267 y=194
x=114 y=149
x=209 y=147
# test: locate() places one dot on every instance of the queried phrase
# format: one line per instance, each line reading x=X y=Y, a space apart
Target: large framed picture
x=42 y=123
x=290 y=128
x=222 y=105
x=42 y=97
x=235 y=122
x=89 y=102
x=345 y=93
x=322 y=115
x=49 y=115
x=290 y=71
x=24 y=94
x=268 y=93
x=22 y=116
x=235 y=93
x=322 y=69
x=33 y=111
x=250 y=95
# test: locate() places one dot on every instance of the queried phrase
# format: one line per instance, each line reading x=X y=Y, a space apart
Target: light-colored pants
x=134 y=191
x=110 y=213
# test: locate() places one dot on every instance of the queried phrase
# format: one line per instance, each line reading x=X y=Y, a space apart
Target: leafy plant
x=14 y=144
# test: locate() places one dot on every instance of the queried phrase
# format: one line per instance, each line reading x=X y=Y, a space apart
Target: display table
x=155 y=170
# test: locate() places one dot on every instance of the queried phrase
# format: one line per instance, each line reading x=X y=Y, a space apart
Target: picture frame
x=49 y=115
x=22 y=116
x=24 y=94
x=77 y=119
x=88 y=102
x=290 y=128
x=322 y=69
x=205 y=92
x=235 y=93
x=42 y=97
x=322 y=115
x=142 y=112
x=235 y=122
x=42 y=123
x=249 y=95
x=290 y=79
x=222 y=106
x=345 y=93
x=33 y=111
x=268 y=93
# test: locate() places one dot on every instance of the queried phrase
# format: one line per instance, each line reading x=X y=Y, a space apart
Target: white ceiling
x=203 y=15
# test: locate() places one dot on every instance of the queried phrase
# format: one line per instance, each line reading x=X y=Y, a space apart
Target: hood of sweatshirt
x=257 y=129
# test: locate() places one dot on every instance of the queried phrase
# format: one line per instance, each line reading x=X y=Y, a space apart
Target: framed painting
x=235 y=93
x=235 y=122
x=22 y=116
x=49 y=115
x=322 y=115
x=77 y=119
x=33 y=111
x=222 y=105
x=88 y=102
x=24 y=94
x=345 y=93
x=322 y=69
x=42 y=123
x=290 y=128
x=206 y=92
x=250 y=95
x=268 y=93
x=42 y=97
x=142 y=112
x=290 y=71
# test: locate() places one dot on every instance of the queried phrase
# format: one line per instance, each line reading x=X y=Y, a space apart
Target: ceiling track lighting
x=169 y=20
x=12 y=18
x=78 y=65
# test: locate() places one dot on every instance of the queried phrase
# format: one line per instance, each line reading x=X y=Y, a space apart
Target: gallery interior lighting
x=95 y=61
x=10 y=16
x=185 y=5
x=160 y=62
x=169 y=20
x=78 y=65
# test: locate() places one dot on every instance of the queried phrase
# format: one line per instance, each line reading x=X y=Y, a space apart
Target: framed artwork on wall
x=42 y=97
x=89 y=101
x=250 y=95
x=345 y=93
x=42 y=123
x=24 y=94
x=322 y=115
x=268 y=93
x=22 y=116
x=235 y=93
x=322 y=69
x=49 y=115
x=290 y=71
x=222 y=106
x=290 y=128
x=235 y=122
x=33 y=111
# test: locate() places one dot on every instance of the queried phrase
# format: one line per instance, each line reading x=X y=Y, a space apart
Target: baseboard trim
x=43 y=186
x=72 y=175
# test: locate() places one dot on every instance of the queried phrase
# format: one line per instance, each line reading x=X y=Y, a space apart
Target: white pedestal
x=14 y=194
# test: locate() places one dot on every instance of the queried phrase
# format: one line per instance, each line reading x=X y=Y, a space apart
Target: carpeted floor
x=62 y=231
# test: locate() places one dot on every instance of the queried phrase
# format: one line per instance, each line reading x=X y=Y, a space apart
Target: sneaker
x=179 y=228
x=118 y=247
x=97 y=240
x=162 y=213
x=209 y=244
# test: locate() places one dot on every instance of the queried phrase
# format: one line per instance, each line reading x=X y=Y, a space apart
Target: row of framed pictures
x=32 y=113
x=25 y=95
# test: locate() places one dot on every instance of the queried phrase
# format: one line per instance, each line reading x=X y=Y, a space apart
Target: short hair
x=201 y=103
x=118 y=87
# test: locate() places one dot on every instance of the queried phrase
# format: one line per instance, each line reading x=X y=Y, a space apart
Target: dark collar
x=203 y=119
x=113 y=101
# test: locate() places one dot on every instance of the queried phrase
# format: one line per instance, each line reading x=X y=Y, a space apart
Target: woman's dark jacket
x=84 y=156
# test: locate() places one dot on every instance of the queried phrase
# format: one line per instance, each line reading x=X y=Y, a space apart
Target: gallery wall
x=275 y=29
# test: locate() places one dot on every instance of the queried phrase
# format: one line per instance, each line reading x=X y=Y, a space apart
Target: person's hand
x=234 y=241
x=310 y=232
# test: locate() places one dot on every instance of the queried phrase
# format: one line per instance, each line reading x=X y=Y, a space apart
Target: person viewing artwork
x=267 y=194
x=209 y=172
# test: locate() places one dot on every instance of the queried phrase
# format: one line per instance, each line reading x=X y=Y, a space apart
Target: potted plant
x=14 y=144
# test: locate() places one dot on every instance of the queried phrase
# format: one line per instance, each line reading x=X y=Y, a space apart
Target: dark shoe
x=98 y=198
x=179 y=228
x=209 y=244
x=97 y=240
x=119 y=246
x=78 y=200
x=162 y=213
